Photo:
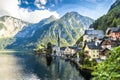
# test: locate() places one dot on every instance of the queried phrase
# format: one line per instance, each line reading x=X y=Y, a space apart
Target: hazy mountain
x=10 y=26
x=71 y=26
x=111 y=19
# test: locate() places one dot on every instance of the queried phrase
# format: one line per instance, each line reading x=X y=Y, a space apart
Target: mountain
x=10 y=26
x=116 y=4
x=111 y=19
x=71 y=26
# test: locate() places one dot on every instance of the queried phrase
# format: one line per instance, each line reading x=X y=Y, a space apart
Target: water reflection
x=49 y=60
x=61 y=69
x=44 y=68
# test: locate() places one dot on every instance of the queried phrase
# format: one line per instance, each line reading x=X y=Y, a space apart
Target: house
x=108 y=43
x=92 y=49
x=70 y=50
x=103 y=53
x=115 y=43
x=89 y=35
x=113 y=33
x=62 y=50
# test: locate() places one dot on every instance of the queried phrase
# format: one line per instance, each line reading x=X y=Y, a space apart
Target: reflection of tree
x=66 y=71
x=48 y=60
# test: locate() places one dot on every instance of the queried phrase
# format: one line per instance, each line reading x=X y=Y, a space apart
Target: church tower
x=58 y=41
x=58 y=44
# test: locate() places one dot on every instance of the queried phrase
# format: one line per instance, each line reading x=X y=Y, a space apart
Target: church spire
x=59 y=35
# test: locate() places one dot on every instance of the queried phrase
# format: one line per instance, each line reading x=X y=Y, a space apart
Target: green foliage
x=111 y=19
x=79 y=42
x=110 y=68
x=2 y=26
x=39 y=47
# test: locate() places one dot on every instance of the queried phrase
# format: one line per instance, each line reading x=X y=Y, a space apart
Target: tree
x=49 y=47
x=110 y=68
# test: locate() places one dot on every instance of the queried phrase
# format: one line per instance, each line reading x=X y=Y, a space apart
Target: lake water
x=27 y=66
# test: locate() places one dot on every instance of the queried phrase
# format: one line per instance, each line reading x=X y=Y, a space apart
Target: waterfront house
x=92 y=49
x=62 y=50
x=70 y=50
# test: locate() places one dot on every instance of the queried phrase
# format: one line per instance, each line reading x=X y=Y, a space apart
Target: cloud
x=43 y=2
x=11 y=8
x=37 y=15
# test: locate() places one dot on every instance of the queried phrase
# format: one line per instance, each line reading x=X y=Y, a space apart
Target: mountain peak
x=52 y=16
x=72 y=13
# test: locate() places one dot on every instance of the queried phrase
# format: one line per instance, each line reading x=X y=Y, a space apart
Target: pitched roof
x=71 y=47
x=62 y=48
x=87 y=32
x=96 y=33
x=74 y=47
x=91 y=45
x=114 y=29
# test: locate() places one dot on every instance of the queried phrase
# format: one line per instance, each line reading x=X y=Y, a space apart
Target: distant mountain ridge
x=71 y=25
x=111 y=19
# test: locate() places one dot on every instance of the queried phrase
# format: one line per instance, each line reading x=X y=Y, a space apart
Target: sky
x=35 y=10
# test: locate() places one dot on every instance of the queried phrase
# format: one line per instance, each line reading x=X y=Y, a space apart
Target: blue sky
x=35 y=10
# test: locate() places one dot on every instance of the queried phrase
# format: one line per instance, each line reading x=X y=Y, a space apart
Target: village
x=95 y=46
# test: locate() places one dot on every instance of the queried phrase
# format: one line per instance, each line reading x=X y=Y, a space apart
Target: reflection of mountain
x=72 y=26
x=111 y=19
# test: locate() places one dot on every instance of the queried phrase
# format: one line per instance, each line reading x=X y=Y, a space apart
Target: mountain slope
x=71 y=26
x=111 y=19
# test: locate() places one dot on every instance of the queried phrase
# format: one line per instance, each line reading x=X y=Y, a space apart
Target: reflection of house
x=69 y=50
x=89 y=35
x=91 y=49
x=113 y=33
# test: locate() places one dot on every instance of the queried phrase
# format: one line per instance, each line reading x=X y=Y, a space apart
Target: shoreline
x=11 y=50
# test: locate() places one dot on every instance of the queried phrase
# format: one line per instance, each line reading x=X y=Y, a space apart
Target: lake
x=27 y=66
